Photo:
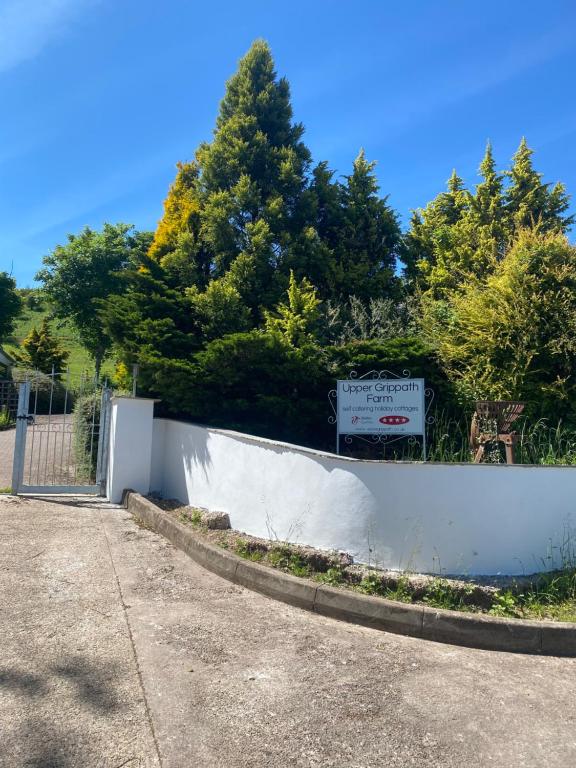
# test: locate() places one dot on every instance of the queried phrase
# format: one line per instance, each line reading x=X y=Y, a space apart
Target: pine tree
x=153 y=320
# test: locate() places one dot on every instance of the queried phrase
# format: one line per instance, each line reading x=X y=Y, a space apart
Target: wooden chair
x=492 y=423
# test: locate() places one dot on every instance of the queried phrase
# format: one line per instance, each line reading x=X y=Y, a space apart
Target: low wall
x=449 y=518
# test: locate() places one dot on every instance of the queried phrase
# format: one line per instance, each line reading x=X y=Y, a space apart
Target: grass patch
x=79 y=361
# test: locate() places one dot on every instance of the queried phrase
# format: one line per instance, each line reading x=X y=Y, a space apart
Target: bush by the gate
x=86 y=420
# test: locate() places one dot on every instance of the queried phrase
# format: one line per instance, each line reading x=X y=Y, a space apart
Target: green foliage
x=37 y=307
x=368 y=238
x=240 y=209
x=249 y=551
x=333 y=577
x=440 y=593
x=249 y=210
x=10 y=304
x=86 y=420
x=462 y=234
x=41 y=351
x=531 y=203
x=258 y=383
x=84 y=271
x=153 y=322
x=378 y=320
x=220 y=309
x=250 y=381
x=6 y=420
x=512 y=336
x=296 y=321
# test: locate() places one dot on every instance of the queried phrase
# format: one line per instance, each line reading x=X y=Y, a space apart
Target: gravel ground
x=117 y=650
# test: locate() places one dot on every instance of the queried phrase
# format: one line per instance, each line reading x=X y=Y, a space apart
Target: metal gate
x=61 y=437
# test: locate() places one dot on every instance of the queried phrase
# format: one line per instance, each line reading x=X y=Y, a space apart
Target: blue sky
x=100 y=98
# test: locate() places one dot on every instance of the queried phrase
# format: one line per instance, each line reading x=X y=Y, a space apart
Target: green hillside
x=35 y=309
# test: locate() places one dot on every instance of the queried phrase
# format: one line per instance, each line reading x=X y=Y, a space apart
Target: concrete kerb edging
x=470 y=630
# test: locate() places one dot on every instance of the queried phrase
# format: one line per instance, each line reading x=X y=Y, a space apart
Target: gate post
x=20 y=441
x=130 y=446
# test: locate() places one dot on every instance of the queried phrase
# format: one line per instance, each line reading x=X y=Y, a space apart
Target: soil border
x=469 y=630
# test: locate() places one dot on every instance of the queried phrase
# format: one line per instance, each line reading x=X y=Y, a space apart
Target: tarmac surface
x=117 y=650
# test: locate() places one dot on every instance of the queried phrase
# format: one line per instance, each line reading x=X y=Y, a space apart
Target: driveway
x=117 y=650
x=7 y=439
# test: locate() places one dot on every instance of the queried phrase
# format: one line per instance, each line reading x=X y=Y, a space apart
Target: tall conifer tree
x=529 y=201
x=242 y=211
x=369 y=238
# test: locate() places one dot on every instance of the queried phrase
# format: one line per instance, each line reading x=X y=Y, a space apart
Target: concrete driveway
x=7 y=440
x=117 y=650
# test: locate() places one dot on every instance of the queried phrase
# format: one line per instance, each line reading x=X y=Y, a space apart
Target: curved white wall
x=449 y=518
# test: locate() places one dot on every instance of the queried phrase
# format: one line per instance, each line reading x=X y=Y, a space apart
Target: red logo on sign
x=393 y=420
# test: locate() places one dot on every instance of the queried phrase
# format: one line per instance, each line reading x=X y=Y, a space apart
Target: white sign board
x=381 y=407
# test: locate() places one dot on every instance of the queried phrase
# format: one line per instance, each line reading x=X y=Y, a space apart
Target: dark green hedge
x=254 y=382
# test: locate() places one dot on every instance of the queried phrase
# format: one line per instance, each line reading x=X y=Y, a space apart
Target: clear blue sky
x=100 y=98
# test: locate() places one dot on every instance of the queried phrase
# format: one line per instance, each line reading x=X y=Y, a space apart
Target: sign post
x=380 y=407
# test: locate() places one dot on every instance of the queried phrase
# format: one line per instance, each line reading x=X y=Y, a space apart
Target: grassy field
x=79 y=361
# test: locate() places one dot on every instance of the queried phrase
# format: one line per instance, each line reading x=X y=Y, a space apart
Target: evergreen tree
x=368 y=239
x=429 y=232
x=461 y=234
x=487 y=205
x=530 y=202
x=511 y=335
x=297 y=320
x=41 y=351
x=178 y=242
x=152 y=321
x=242 y=206
x=220 y=309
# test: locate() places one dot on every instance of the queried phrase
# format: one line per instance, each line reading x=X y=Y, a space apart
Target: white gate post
x=130 y=446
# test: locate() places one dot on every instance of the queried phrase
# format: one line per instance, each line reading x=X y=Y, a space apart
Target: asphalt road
x=117 y=650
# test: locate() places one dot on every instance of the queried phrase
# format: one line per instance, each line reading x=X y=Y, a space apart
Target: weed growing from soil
x=550 y=595
x=334 y=577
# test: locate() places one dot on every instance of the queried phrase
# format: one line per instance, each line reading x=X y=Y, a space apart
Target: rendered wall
x=130 y=453
x=456 y=519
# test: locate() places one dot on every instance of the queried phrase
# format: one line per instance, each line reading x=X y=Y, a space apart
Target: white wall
x=453 y=518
